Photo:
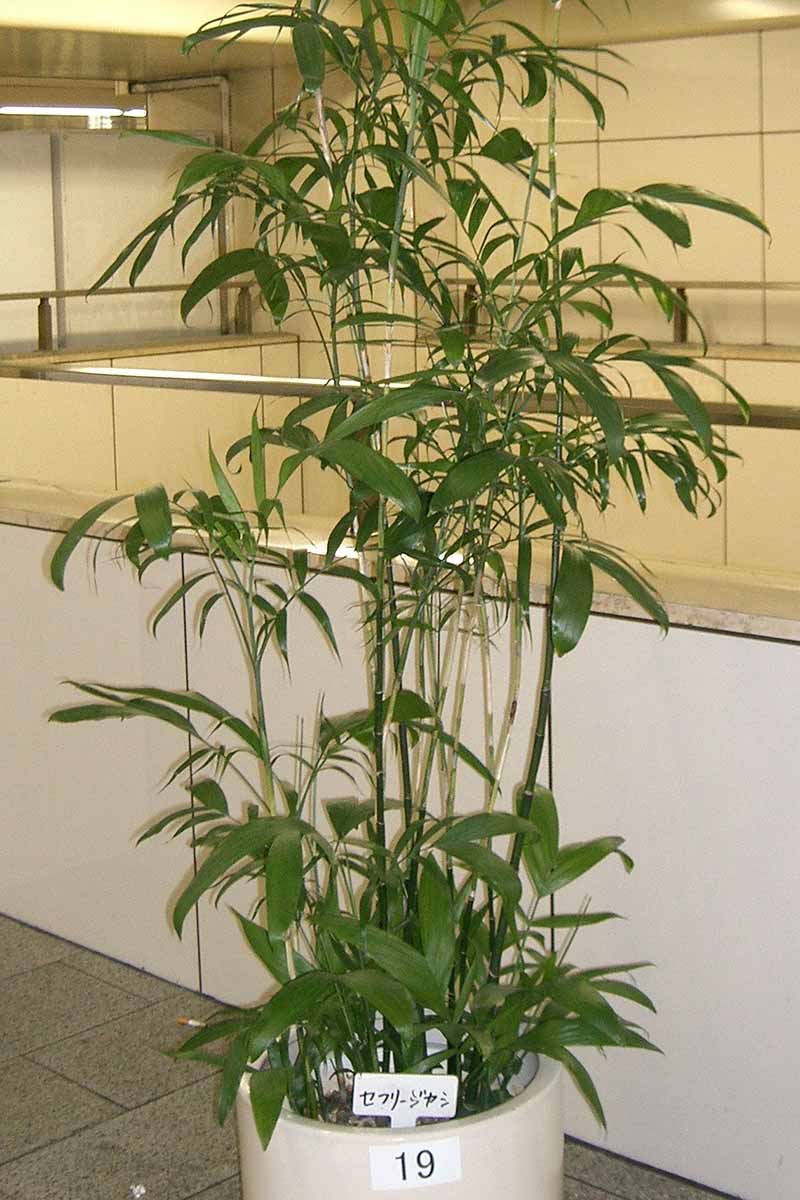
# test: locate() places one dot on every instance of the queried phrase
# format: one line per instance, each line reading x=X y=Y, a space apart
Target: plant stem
x=544 y=698
x=378 y=704
x=402 y=738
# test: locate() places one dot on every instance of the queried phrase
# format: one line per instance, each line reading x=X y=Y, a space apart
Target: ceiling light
x=67 y=110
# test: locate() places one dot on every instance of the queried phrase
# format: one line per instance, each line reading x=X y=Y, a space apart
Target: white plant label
x=393 y=1167
x=405 y=1098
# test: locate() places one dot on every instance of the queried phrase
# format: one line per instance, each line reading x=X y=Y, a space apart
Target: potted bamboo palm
x=408 y=914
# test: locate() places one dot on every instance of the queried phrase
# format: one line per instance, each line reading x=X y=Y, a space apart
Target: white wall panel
x=684 y=746
x=230 y=970
x=75 y=797
x=687 y=747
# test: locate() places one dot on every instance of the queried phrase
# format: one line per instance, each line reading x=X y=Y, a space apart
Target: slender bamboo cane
x=544 y=698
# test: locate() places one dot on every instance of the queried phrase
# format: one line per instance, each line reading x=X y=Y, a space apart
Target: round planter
x=514 y=1151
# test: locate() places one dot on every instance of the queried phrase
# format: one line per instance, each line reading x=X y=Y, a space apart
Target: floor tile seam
x=124 y=1112
x=145 y=1006
x=51 y=962
x=701 y=1192
x=18 y=1158
x=29 y=1051
x=121 y=1105
x=61 y=962
x=183 y=1087
x=212 y=1187
x=83 y=1086
x=179 y=988
x=658 y=1172
x=604 y=1191
x=147 y=1000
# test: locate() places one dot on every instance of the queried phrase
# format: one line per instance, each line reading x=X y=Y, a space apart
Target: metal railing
x=680 y=320
x=242 y=323
x=721 y=413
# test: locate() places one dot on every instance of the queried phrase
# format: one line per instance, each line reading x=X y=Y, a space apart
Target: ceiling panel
x=78 y=54
x=143 y=40
x=648 y=19
x=174 y=19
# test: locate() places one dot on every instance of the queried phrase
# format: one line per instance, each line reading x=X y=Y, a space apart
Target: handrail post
x=680 y=320
x=470 y=315
x=44 y=316
x=243 y=313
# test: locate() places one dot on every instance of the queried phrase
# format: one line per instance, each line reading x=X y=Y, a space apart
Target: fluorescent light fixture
x=205 y=376
x=67 y=110
x=202 y=381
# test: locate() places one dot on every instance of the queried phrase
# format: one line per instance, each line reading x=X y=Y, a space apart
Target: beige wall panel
x=577 y=174
x=764 y=500
x=781 y=187
x=725 y=316
x=286 y=84
x=510 y=186
x=162 y=435
x=643 y=383
x=722 y=247
x=280 y=360
x=57 y=433
x=324 y=492
x=299 y=321
x=729 y=316
x=781 y=50
x=684 y=87
x=26 y=231
x=666 y=531
x=642 y=316
x=783 y=318
x=314 y=361
x=128 y=181
x=403 y=359
x=766 y=382
x=190 y=110
x=427 y=204
x=575 y=119
x=251 y=104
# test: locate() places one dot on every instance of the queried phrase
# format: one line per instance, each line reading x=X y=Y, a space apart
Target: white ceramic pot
x=514 y=1151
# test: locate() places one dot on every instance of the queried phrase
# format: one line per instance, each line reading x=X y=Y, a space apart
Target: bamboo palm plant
x=421 y=902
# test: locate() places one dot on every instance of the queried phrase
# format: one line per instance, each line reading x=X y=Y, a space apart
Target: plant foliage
x=416 y=902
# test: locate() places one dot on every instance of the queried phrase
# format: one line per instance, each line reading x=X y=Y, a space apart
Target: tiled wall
x=720 y=112
x=97 y=438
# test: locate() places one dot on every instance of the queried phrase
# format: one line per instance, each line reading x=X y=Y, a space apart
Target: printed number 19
x=425 y=1164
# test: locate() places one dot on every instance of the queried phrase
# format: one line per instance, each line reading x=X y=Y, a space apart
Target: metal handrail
x=721 y=413
x=242 y=320
x=680 y=321
x=243 y=313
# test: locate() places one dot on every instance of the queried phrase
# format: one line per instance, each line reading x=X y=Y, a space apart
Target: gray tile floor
x=90 y=1107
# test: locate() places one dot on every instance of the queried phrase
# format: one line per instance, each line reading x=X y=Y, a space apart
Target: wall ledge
x=756 y=604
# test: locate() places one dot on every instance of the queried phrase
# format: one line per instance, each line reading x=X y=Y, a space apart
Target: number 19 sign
x=414 y=1164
